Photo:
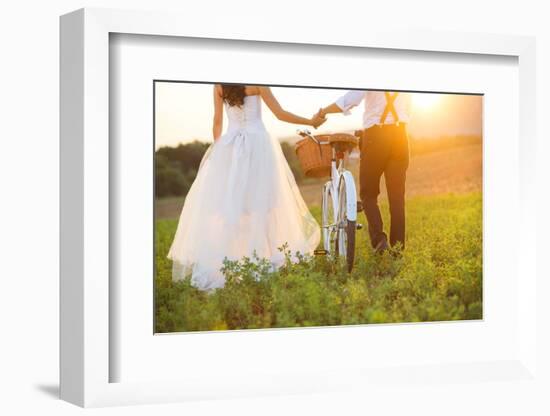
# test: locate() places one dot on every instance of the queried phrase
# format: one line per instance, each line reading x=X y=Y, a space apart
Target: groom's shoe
x=381 y=246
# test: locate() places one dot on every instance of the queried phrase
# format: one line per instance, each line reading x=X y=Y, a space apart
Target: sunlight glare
x=424 y=101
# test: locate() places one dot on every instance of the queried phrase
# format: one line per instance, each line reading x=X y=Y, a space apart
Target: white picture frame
x=85 y=264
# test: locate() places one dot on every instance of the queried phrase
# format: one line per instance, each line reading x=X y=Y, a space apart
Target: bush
x=176 y=168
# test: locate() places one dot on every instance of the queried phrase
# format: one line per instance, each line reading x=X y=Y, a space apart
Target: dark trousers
x=384 y=150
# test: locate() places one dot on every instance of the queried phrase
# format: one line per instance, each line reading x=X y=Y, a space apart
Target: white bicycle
x=339 y=199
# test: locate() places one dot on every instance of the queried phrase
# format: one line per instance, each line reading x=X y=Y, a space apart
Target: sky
x=184 y=113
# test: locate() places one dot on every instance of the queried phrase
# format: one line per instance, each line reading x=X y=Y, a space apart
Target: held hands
x=318 y=119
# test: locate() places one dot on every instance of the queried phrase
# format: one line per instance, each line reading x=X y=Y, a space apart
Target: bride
x=244 y=199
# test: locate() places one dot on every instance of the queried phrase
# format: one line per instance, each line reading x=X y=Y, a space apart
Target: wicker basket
x=315 y=158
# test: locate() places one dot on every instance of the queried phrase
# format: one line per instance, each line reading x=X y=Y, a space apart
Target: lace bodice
x=247 y=115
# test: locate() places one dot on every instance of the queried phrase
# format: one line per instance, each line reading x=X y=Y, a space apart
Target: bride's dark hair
x=233 y=94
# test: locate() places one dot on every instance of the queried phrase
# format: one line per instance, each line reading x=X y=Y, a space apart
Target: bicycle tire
x=350 y=257
x=349 y=228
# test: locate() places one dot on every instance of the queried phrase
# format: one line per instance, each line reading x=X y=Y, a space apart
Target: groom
x=384 y=150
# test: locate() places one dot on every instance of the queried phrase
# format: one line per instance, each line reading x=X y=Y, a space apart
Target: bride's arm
x=283 y=115
x=218 y=113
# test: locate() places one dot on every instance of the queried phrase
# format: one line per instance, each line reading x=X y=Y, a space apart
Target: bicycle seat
x=343 y=142
x=343 y=138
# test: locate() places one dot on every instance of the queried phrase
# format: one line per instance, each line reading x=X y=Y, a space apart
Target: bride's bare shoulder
x=252 y=90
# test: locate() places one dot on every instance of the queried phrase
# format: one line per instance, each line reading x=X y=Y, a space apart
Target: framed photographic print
x=285 y=208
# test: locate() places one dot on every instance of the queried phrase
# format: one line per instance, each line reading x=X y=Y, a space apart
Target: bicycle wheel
x=328 y=220
x=346 y=228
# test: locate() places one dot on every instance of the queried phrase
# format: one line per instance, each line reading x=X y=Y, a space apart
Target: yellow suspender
x=390 y=98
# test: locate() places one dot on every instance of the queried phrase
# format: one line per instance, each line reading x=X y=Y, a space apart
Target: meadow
x=437 y=278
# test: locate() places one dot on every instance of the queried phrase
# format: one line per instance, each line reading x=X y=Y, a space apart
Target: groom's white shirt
x=375 y=103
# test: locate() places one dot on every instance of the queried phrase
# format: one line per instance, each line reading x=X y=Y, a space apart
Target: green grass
x=438 y=278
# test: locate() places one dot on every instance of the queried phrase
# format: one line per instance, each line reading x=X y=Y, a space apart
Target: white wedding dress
x=243 y=200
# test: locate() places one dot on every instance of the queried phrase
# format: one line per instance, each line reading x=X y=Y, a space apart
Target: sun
x=425 y=101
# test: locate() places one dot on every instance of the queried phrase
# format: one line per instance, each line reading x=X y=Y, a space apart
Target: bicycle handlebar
x=307 y=133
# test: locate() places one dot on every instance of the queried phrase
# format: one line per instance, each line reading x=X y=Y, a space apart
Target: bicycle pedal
x=359 y=226
x=320 y=252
